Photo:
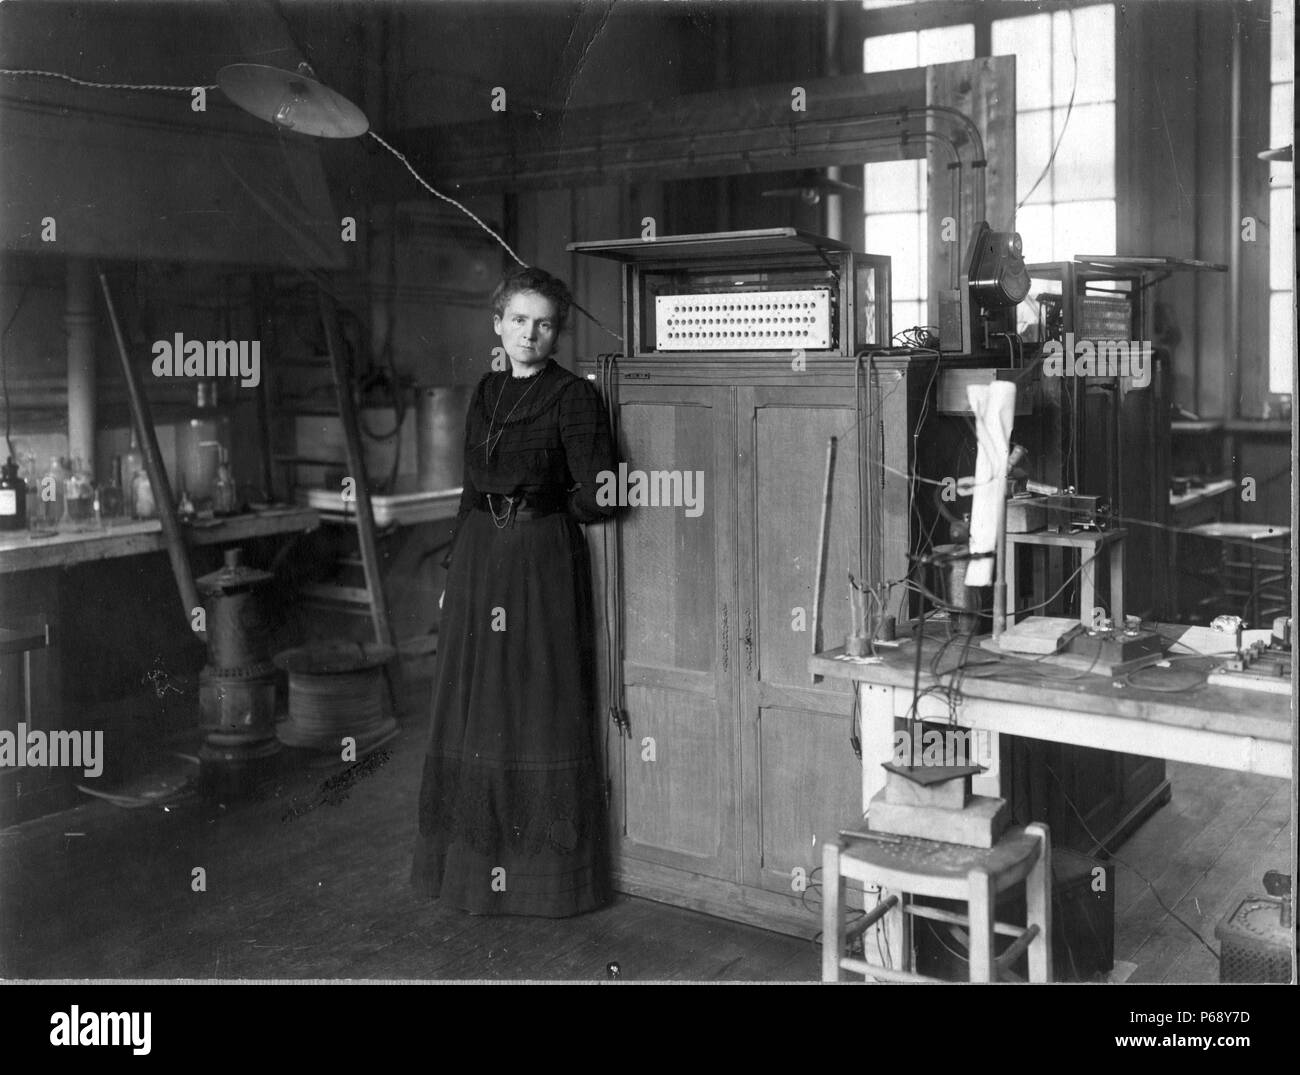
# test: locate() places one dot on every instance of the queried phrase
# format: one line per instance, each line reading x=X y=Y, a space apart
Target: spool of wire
x=336 y=690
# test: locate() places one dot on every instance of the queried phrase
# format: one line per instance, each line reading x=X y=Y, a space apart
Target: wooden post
x=357 y=467
x=153 y=465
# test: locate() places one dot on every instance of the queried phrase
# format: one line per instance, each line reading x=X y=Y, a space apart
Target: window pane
x=1094 y=48
x=1034 y=223
x=1281 y=240
x=894 y=186
x=889 y=52
x=898 y=234
x=1084 y=228
x=1282 y=36
x=1085 y=163
x=1281 y=342
x=1027 y=39
x=1281 y=121
x=945 y=44
x=907 y=314
x=1033 y=144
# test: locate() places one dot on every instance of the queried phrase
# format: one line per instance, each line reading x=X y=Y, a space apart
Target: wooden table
x=1228 y=727
x=1248 y=731
x=22 y=552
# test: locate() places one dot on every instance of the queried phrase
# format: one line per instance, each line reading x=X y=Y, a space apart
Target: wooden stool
x=1090 y=544
x=1255 y=569
x=907 y=867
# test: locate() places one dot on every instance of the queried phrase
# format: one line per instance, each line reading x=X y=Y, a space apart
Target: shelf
x=23 y=552
x=759 y=242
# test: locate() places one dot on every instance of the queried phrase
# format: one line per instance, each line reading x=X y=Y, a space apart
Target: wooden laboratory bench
x=1227 y=727
x=22 y=552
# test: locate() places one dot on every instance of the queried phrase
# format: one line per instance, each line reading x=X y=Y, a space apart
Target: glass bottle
x=33 y=478
x=224 y=500
x=142 y=502
x=80 y=495
x=53 y=492
x=13 y=498
x=110 y=493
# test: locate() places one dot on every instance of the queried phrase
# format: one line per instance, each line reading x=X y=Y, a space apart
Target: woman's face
x=527 y=329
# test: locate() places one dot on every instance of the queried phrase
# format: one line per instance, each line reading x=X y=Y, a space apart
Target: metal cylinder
x=952 y=587
x=80 y=323
x=440 y=434
x=237 y=687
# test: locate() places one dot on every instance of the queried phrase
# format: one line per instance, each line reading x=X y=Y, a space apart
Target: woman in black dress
x=512 y=812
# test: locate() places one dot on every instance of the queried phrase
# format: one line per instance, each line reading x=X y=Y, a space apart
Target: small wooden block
x=949 y=795
x=980 y=823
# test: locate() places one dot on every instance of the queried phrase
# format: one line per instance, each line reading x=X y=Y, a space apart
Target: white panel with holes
x=744 y=321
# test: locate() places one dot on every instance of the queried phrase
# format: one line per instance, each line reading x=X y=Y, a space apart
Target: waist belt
x=504 y=508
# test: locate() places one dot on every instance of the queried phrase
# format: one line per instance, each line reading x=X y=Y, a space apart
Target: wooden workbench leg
x=1087 y=588
x=889 y=942
x=988 y=753
x=1117 y=582
x=1009 y=578
x=1055 y=559
x=1038 y=905
x=833 y=921
x=876 y=712
x=983 y=896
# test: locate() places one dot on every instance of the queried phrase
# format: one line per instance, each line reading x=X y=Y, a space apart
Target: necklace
x=490 y=441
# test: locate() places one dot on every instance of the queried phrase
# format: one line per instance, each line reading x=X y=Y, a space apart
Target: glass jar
x=224 y=498
x=142 y=502
x=53 y=493
x=110 y=493
x=79 y=493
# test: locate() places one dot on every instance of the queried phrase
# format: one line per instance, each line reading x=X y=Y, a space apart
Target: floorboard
x=299 y=887
x=1202 y=857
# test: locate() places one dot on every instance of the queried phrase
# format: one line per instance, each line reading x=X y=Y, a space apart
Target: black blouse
x=546 y=434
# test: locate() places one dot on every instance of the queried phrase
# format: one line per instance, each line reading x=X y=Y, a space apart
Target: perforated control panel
x=744 y=321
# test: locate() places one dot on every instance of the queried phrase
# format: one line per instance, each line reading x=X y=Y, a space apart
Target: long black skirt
x=512 y=815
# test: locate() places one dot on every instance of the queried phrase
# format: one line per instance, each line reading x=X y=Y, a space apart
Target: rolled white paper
x=994 y=405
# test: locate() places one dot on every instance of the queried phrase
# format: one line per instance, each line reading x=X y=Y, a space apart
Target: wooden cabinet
x=675 y=774
x=737 y=765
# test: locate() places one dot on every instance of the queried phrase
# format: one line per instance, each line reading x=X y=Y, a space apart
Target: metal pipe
x=79 y=321
x=1231 y=368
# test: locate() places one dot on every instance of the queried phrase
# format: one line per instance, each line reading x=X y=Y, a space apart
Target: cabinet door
x=675 y=774
x=802 y=780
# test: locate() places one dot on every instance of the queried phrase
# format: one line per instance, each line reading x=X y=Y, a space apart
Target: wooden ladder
x=373 y=595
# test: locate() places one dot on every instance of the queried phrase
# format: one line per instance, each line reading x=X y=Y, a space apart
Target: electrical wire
x=1069 y=108
x=149 y=86
x=1101 y=846
x=446 y=198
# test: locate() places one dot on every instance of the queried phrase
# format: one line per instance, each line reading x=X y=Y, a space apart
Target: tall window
x=1281 y=222
x=1067 y=56
x=1065 y=102
x=894 y=192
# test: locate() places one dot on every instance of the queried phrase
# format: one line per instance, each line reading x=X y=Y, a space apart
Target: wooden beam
x=985 y=91
x=854 y=118
x=173 y=536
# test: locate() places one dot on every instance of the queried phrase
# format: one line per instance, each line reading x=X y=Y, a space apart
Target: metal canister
x=440 y=434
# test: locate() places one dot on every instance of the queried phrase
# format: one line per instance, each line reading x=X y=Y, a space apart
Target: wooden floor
x=1203 y=853
x=322 y=895
x=104 y=892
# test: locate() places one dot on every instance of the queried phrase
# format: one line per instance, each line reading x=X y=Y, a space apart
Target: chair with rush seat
x=905 y=867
